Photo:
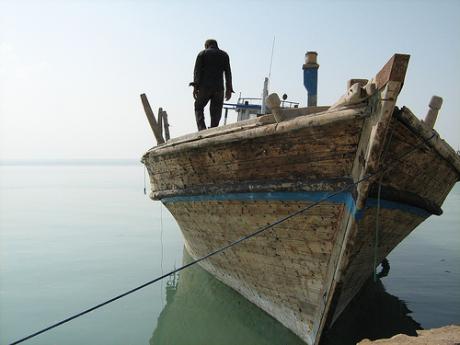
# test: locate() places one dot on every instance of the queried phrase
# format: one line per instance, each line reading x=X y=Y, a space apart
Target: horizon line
x=69 y=161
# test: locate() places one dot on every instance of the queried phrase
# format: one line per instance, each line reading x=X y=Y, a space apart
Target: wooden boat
x=387 y=170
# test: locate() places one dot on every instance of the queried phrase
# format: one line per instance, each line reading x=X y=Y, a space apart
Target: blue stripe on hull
x=392 y=205
x=345 y=198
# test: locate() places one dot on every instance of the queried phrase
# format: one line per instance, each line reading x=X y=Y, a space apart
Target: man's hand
x=195 y=93
x=228 y=94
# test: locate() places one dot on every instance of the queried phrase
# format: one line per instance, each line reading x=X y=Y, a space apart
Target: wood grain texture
x=395 y=225
x=424 y=172
x=281 y=270
x=303 y=154
x=311 y=266
x=394 y=70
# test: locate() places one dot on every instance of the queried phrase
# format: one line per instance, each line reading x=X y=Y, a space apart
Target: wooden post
x=160 y=120
x=166 y=124
x=394 y=70
x=152 y=121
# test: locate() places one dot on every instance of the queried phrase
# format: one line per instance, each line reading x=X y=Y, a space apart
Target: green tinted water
x=73 y=236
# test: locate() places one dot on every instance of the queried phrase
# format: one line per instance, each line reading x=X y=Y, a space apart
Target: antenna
x=271 y=58
x=263 y=107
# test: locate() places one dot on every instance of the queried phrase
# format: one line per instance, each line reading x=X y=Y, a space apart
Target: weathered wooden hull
x=284 y=270
x=223 y=184
x=201 y=310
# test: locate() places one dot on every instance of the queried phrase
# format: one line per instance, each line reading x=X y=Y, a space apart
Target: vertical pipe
x=310 y=77
x=263 y=109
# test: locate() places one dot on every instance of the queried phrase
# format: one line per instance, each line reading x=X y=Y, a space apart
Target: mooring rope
x=377 y=230
x=162 y=250
x=377 y=218
x=221 y=249
x=145 y=184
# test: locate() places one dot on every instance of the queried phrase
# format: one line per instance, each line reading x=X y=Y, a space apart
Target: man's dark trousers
x=217 y=100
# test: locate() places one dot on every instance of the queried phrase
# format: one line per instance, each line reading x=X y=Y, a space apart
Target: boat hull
x=284 y=269
x=370 y=172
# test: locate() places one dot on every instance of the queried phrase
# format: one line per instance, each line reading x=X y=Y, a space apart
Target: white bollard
x=273 y=102
x=431 y=116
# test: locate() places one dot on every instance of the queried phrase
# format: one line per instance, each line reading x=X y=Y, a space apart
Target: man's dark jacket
x=210 y=66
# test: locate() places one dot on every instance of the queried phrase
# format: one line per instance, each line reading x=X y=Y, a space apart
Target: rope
x=377 y=224
x=219 y=250
x=145 y=186
x=161 y=242
x=271 y=58
x=377 y=218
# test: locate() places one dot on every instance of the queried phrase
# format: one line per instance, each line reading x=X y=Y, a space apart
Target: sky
x=71 y=72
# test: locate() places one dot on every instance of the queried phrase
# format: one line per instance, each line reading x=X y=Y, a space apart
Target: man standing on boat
x=208 y=83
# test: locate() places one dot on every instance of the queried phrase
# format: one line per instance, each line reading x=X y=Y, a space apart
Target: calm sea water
x=72 y=236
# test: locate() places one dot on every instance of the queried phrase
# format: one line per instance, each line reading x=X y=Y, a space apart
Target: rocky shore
x=448 y=335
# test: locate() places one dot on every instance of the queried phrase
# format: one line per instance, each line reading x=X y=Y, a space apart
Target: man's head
x=211 y=43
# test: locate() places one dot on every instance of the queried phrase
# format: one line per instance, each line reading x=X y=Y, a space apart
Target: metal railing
x=249 y=103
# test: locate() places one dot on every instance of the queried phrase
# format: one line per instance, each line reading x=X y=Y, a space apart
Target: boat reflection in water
x=202 y=310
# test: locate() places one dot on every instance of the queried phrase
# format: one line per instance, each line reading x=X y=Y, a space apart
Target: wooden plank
x=246 y=162
x=327 y=168
x=244 y=125
x=255 y=186
x=240 y=134
x=422 y=172
x=441 y=147
x=202 y=160
x=166 y=124
x=160 y=120
x=201 y=165
x=151 y=118
x=394 y=70
x=300 y=140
